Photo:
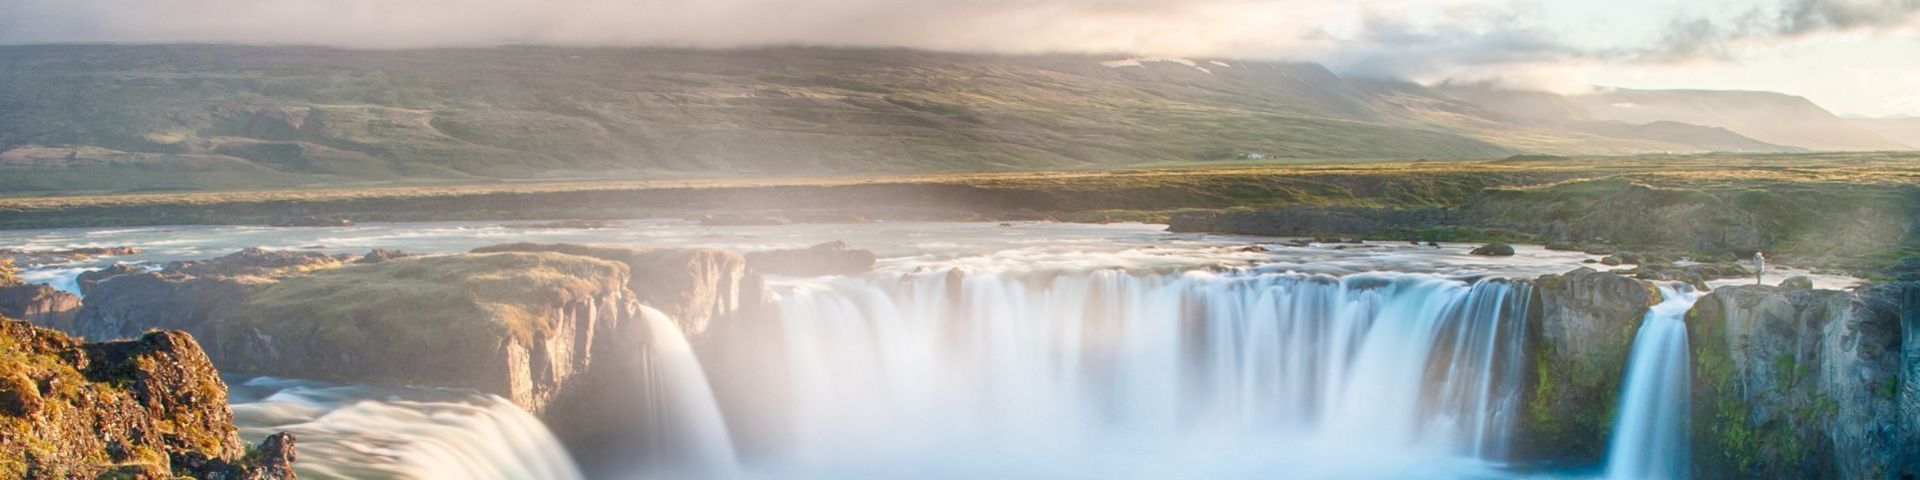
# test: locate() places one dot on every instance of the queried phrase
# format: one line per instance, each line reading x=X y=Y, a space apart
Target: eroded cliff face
x=39 y=305
x=1796 y=383
x=1581 y=330
x=147 y=408
x=518 y=325
x=694 y=286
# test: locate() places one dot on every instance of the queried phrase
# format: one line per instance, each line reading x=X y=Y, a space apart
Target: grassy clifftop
x=415 y=320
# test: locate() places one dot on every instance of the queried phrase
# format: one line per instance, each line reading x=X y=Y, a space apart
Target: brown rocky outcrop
x=831 y=258
x=1803 y=383
x=39 y=305
x=147 y=408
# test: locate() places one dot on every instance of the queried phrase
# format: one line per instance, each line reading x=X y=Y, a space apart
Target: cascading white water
x=359 y=432
x=1192 y=374
x=687 y=435
x=1650 y=434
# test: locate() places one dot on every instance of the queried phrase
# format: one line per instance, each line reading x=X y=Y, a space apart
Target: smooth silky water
x=976 y=350
x=1650 y=435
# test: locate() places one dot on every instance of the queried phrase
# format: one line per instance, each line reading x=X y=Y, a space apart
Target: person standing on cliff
x=1759 y=268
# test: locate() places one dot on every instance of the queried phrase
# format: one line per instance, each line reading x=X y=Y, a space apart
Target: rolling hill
x=160 y=117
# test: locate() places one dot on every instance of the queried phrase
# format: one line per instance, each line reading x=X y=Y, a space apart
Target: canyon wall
x=1800 y=383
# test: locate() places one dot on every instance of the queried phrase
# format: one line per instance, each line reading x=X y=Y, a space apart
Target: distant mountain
x=1765 y=116
x=113 y=118
x=1905 y=130
x=1525 y=111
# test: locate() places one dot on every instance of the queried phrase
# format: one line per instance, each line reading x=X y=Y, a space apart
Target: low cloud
x=1459 y=40
x=1695 y=39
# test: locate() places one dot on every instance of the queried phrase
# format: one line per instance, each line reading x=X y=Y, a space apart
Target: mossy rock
x=112 y=410
x=1580 y=332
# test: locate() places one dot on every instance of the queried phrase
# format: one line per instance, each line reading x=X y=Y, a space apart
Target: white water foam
x=358 y=432
x=1107 y=374
x=1650 y=435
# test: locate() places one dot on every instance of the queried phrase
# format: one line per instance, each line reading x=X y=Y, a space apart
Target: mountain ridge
x=158 y=117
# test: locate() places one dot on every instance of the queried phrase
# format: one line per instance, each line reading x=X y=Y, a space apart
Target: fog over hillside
x=94 y=117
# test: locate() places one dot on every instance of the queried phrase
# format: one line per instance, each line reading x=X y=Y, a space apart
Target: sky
x=1858 y=57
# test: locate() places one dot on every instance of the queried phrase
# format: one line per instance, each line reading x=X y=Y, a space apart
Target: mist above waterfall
x=1134 y=375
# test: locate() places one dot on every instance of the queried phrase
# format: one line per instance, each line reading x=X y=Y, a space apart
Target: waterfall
x=1235 y=373
x=364 y=432
x=687 y=437
x=1650 y=434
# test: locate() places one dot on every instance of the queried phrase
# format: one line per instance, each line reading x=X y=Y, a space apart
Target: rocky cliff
x=552 y=328
x=694 y=286
x=193 y=296
x=1580 y=332
x=519 y=325
x=1799 y=383
x=146 y=408
x=39 y=305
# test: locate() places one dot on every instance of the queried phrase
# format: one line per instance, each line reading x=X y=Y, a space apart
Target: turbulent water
x=1190 y=374
x=1650 y=434
x=359 y=432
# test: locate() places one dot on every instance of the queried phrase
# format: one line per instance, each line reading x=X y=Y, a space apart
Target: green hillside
x=146 y=118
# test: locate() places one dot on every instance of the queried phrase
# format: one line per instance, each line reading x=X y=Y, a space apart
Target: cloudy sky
x=1853 y=56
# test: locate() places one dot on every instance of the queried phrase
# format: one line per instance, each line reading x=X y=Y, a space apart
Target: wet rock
x=831 y=258
x=1581 y=327
x=1802 y=383
x=147 y=408
x=1494 y=250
